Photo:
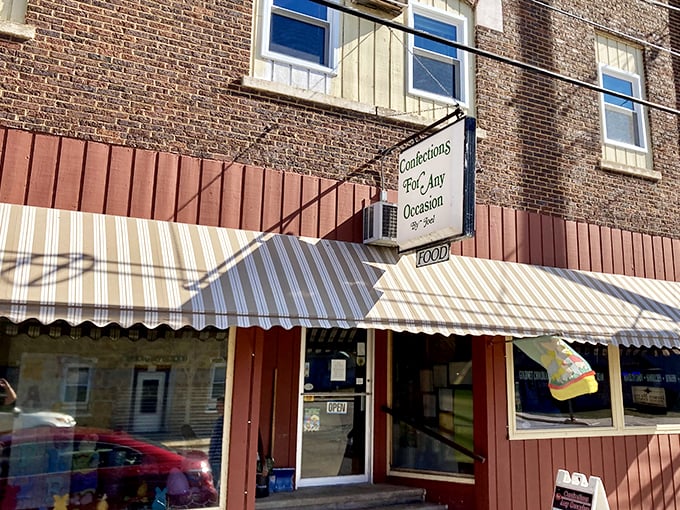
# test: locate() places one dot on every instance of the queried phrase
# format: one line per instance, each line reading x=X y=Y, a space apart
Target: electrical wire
x=661 y=4
x=638 y=40
x=496 y=57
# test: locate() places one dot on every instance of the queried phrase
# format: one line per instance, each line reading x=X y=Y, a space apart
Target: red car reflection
x=90 y=468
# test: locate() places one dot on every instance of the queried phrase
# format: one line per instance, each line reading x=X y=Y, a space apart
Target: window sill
x=593 y=432
x=633 y=171
x=17 y=30
x=326 y=100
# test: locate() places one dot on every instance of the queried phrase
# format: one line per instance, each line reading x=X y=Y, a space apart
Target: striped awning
x=78 y=267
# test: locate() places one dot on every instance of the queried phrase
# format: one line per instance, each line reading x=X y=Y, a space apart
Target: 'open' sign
x=336 y=407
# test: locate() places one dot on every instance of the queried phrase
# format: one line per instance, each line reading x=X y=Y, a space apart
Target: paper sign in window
x=338 y=370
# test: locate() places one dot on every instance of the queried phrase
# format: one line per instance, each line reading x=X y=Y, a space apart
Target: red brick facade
x=167 y=77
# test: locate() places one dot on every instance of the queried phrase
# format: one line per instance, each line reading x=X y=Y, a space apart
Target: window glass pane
x=438 y=28
x=618 y=85
x=219 y=378
x=78 y=431
x=298 y=39
x=622 y=126
x=651 y=386
x=432 y=392
x=434 y=76
x=304 y=7
x=535 y=406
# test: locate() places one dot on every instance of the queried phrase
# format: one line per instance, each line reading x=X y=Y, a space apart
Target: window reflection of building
x=114 y=384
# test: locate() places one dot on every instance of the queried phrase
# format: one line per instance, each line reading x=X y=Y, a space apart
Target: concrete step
x=349 y=497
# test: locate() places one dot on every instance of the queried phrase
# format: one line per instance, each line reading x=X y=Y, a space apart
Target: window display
x=536 y=405
x=431 y=401
x=650 y=378
x=646 y=392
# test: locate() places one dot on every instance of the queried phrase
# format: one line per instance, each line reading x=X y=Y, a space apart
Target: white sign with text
x=431 y=189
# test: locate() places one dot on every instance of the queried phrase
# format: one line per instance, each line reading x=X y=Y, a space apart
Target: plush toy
x=102 y=504
x=60 y=502
x=159 y=502
x=142 y=491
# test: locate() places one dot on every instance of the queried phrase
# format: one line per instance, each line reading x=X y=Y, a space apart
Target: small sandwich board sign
x=575 y=491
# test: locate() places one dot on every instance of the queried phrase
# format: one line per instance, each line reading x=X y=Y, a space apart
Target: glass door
x=334 y=408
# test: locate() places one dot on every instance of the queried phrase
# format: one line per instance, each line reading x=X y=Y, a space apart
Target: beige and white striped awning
x=78 y=267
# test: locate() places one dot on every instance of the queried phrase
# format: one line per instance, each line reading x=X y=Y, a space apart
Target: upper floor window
x=625 y=129
x=437 y=70
x=299 y=31
x=623 y=121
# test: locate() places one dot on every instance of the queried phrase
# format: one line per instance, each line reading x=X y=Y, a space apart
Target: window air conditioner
x=380 y=224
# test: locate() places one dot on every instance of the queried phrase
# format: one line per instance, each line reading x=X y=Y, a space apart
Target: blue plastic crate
x=281 y=479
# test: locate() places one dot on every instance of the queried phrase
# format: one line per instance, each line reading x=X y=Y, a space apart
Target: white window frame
x=638 y=110
x=65 y=385
x=460 y=63
x=618 y=427
x=13 y=20
x=217 y=367
x=332 y=37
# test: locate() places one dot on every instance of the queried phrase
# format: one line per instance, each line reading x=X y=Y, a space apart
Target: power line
x=638 y=40
x=493 y=56
x=661 y=4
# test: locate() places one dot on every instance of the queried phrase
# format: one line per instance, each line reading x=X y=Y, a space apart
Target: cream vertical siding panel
x=263 y=69
x=5 y=10
x=299 y=78
x=383 y=73
x=611 y=54
x=397 y=60
x=367 y=62
x=627 y=59
x=443 y=5
x=349 y=79
x=18 y=10
x=281 y=73
x=318 y=82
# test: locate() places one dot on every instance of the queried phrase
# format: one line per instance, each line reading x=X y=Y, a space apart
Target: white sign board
x=575 y=491
x=431 y=189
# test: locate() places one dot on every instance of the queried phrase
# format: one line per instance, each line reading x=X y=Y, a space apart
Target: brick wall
x=542 y=152
x=165 y=76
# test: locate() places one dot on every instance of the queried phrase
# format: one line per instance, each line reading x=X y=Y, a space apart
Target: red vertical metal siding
x=245 y=413
x=69 y=174
x=639 y=472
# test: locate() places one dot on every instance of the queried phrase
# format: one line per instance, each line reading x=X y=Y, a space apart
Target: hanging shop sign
x=437 y=187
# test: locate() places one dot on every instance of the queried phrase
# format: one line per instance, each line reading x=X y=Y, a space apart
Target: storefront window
x=432 y=403
x=537 y=408
x=650 y=379
x=93 y=417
